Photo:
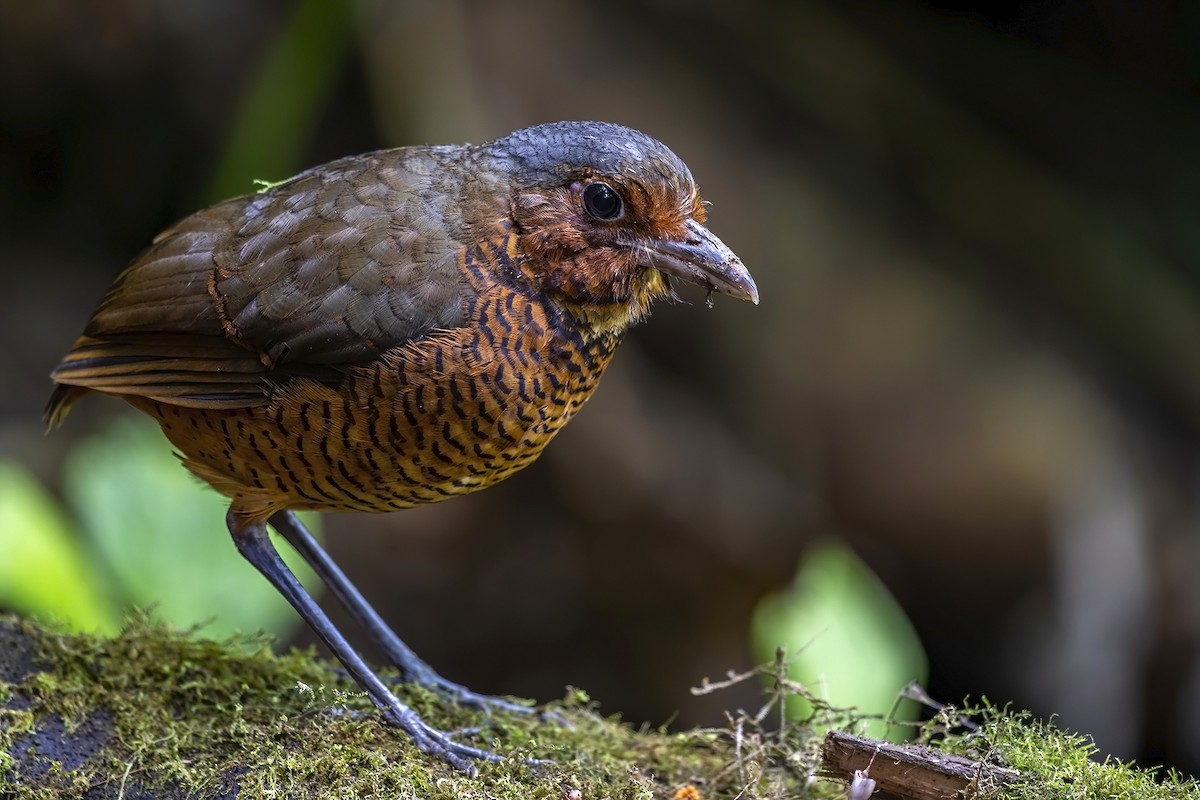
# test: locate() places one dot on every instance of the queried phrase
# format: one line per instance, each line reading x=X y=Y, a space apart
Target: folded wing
x=313 y=277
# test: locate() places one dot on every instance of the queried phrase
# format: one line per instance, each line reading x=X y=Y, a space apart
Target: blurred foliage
x=854 y=647
x=44 y=571
x=154 y=537
x=277 y=115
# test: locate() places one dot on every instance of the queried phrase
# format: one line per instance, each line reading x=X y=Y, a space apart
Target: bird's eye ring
x=602 y=202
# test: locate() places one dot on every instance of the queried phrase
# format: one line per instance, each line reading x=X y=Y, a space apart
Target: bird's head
x=606 y=215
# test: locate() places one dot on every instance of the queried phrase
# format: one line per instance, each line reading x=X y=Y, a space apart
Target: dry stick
x=910 y=771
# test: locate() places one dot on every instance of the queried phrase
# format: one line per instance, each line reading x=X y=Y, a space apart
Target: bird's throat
x=607 y=313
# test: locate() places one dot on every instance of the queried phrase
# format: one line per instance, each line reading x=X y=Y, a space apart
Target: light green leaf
x=43 y=570
x=162 y=533
x=856 y=647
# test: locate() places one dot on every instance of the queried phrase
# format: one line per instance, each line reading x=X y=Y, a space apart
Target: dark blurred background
x=976 y=231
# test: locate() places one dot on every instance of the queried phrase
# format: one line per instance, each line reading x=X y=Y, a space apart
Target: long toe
x=449 y=690
x=436 y=742
x=457 y=693
x=465 y=697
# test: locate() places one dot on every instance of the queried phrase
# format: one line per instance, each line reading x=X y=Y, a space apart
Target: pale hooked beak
x=700 y=257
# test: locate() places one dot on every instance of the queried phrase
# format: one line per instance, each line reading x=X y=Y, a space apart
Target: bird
x=393 y=329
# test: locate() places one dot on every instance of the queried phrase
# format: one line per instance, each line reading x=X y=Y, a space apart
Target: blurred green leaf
x=280 y=106
x=162 y=534
x=43 y=570
x=857 y=648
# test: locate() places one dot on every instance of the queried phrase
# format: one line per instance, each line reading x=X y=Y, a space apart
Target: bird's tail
x=60 y=403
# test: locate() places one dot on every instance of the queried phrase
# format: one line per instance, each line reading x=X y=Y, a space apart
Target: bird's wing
x=310 y=278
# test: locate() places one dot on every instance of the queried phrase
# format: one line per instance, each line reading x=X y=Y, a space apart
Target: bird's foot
x=443 y=744
x=461 y=695
x=436 y=742
x=425 y=677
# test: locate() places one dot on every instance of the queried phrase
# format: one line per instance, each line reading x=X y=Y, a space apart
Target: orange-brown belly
x=448 y=416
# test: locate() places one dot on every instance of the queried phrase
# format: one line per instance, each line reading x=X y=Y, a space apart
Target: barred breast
x=448 y=414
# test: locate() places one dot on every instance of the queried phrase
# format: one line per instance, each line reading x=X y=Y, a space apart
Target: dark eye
x=602 y=202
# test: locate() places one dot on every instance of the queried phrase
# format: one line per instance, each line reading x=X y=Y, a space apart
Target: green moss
x=1054 y=764
x=155 y=710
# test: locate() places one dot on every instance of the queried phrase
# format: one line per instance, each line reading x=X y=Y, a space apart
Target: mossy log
x=156 y=714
